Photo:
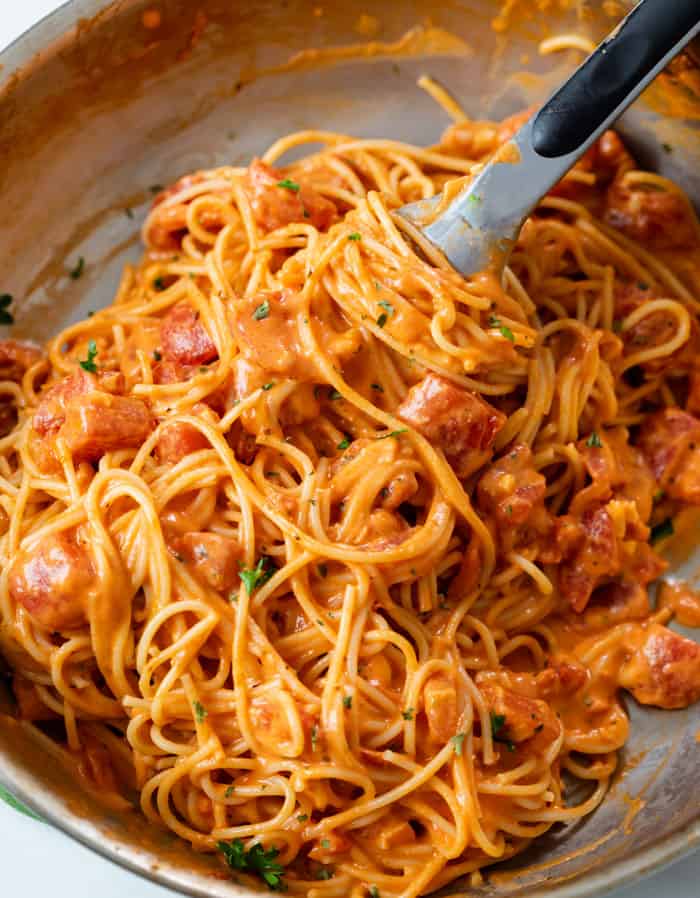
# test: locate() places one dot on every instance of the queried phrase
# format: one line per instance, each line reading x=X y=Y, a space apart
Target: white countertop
x=37 y=860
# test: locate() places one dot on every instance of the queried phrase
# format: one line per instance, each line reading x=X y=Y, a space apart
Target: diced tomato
x=214 y=558
x=52 y=579
x=661 y=219
x=663 y=670
x=184 y=338
x=276 y=206
x=16 y=357
x=617 y=469
x=440 y=704
x=268 y=335
x=520 y=717
x=616 y=602
x=562 y=676
x=99 y=423
x=456 y=420
x=51 y=411
x=595 y=555
x=670 y=441
x=512 y=488
x=177 y=441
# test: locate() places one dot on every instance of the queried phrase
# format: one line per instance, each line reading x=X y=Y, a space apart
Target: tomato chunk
x=670 y=441
x=214 y=558
x=99 y=423
x=16 y=357
x=456 y=420
x=275 y=206
x=51 y=580
x=664 y=670
x=184 y=338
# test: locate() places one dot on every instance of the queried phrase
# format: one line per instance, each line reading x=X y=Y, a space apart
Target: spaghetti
x=336 y=559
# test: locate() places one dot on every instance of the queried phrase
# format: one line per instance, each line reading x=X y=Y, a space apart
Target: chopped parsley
x=347 y=701
x=386 y=305
x=382 y=320
x=667 y=148
x=658 y=495
x=393 y=433
x=506 y=332
x=156 y=356
x=6 y=317
x=200 y=712
x=314 y=736
x=325 y=843
x=354 y=236
x=343 y=444
x=269 y=386
x=159 y=284
x=302 y=818
x=594 y=441
x=498 y=723
x=260 y=574
x=78 y=269
x=458 y=742
x=262 y=311
x=334 y=394
x=325 y=873
x=378 y=387
x=407 y=714
x=256 y=860
x=661 y=531
x=288 y=184
x=373 y=892
x=474 y=198
x=322 y=570
x=229 y=792
x=88 y=364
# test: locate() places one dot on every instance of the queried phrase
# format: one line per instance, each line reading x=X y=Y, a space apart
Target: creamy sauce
x=681 y=600
x=422 y=40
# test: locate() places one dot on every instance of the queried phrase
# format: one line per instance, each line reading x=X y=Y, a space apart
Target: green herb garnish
x=386 y=305
x=354 y=236
x=382 y=320
x=256 y=578
x=256 y=860
x=6 y=317
x=498 y=722
x=88 y=364
x=661 y=531
x=200 y=712
x=288 y=184
x=347 y=701
x=407 y=714
x=343 y=444
x=77 y=271
x=159 y=284
x=262 y=311
x=393 y=433
x=594 y=441
x=458 y=742
x=269 y=386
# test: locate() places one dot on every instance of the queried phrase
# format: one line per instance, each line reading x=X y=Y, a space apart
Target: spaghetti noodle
x=336 y=559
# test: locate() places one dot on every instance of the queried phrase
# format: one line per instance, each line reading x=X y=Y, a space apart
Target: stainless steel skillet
x=96 y=109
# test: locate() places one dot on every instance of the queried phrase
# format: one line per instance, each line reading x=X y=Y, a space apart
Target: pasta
x=333 y=560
